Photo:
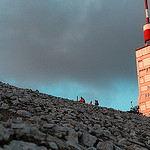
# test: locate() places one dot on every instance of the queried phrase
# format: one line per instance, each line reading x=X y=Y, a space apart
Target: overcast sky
x=73 y=47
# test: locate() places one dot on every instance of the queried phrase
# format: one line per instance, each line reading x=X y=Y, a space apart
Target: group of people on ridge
x=82 y=100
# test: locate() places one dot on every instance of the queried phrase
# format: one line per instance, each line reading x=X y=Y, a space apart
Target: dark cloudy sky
x=73 y=47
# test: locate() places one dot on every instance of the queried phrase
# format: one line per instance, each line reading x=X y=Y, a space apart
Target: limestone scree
x=37 y=121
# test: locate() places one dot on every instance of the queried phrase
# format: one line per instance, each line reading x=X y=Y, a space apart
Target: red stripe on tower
x=146 y=10
x=146 y=29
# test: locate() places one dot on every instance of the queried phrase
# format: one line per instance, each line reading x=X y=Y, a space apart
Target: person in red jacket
x=82 y=100
x=96 y=103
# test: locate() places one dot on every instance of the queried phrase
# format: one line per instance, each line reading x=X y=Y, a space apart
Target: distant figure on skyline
x=96 y=103
x=82 y=100
x=131 y=104
x=90 y=102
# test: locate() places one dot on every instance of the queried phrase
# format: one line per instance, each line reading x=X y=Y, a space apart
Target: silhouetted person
x=131 y=104
x=96 y=103
x=82 y=100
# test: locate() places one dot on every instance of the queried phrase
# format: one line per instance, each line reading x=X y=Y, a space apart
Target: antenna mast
x=146 y=27
x=146 y=11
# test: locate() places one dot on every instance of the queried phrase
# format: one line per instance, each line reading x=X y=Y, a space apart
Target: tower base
x=143 y=72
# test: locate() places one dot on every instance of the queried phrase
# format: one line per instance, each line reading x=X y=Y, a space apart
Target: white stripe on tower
x=146 y=13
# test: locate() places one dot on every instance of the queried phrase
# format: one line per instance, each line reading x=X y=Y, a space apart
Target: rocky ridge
x=37 y=121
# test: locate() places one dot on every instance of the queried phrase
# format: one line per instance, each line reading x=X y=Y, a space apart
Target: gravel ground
x=30 y=120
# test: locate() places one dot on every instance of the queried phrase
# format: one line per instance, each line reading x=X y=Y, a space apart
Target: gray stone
x=5 y=106
x=21 y=129
x=66 y=129
x=73 y=122
x=73 y=136
x=57 y=128
x=122 y=141
x=105 y=133
x=18 y=126
x=24 y=113
x=88 y=140
x=105 y=146
x=40 y=136
x=38 y=109
x=69 y=116
x=15 y=102
x=12 y=110
x=13 y=97
x=9 y=95
x=91 y=148
x=25 y=100
x=83 y=126
x=20 y=145
x=36 y=118
x=5 y=133
x=48 y=126
x=1 y=116
x=60 y=143
x=34 y=130
x=53 y=145
x=132 y=133
x=73 y=146
x=59 y=134
x=97 y=126
x=117 y=148
x=90 y=128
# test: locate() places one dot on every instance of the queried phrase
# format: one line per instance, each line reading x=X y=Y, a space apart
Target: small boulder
x=24 y=113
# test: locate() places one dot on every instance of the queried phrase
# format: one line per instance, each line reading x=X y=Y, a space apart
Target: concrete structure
x=143 y=69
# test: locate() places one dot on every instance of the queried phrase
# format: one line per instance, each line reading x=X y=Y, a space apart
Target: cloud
x=89 y=42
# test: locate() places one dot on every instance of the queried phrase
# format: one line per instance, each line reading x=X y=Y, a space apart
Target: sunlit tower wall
x=143 y=69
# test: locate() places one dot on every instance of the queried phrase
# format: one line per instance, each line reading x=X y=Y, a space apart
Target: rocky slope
x=36 y=121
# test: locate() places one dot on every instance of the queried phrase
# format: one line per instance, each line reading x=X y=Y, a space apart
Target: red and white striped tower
x=146 y=10
x=146 y=27
x=143 y=69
